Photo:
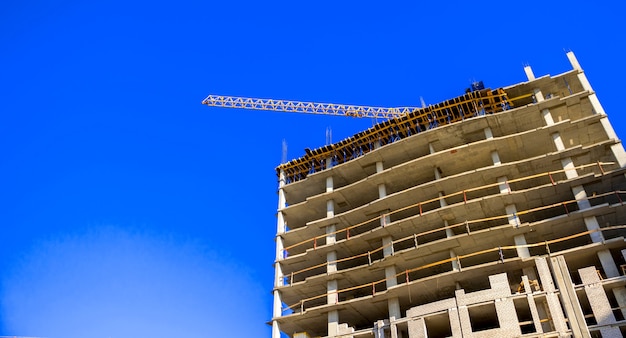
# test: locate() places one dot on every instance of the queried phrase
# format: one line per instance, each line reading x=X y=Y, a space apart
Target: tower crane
x=400 y=122
x=305 y=107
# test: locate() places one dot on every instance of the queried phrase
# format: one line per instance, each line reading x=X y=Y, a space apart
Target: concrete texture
x=420 y=234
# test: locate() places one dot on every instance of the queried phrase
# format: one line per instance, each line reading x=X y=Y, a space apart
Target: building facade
x=498 y=213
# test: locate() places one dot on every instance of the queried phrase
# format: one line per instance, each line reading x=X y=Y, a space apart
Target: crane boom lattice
x=306 y=107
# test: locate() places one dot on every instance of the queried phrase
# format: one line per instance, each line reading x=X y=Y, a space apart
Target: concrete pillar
x=488 y=133
x=511 y=212
x=387 y=246
x=599 y=302
x=608 y=263
x=522 y=251
x=277 y=312
x=558 y=142
x=592 y=224
x=393 y=304
x=495 y=157
x=620 y=293
x=581 y=197
x=534 y=311
x=529 y=73
x=617 y=149
x=437 y=173
x=538 y=94
x=333 y=316
x=382 y=193
x=503 y=185
x=575 y=315
x=278 y=273
x=382 y=190
x=431 y=149
x=542 y=309
x=620 y=296
x=379 y=167
x=531 y=76
x=595 y=103
x=569 y=168
x=331 y=262
x=554 y=306
x=450 y=233
x=331 y=256
x=547 y=117
x=333 y=322
x=330 y=208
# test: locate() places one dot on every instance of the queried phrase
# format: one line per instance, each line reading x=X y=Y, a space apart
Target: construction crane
x=400 y=122
x=305 y=107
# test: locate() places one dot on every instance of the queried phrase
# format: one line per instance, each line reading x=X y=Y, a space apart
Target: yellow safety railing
x=301 y=304
x=420 y=205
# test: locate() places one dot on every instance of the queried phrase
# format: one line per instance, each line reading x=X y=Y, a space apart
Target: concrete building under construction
x=498 y=213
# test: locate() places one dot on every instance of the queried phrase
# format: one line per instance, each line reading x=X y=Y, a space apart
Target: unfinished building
x=498 y=213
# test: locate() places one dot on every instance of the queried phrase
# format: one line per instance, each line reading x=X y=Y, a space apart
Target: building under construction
x=498 y=213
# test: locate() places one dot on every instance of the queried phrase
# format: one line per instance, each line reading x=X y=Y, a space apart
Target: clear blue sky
x=128 y=209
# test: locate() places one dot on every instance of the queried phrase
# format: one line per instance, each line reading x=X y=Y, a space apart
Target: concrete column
x=278 y=273
x=331 y=256
x=437 y=173
x=542 y=309
x=495 y=157
x=488 y=133
x=617 y=149
x=277 y=312
x=538 y=94
x=511 y=212
x=554 y=306
x=547 y=116
x=393 y=304
x=575 y=315
x=333 y=322
x=595 y=103
x=592 y=224
x=503 y=185
x=379 y=167
x=450 y=233
x=330 y=208
x=570 y=169
x=558 y=142
x=534 y=312
x=520 y=241
x=529 y=73
x=387 y=246
x=581 y=197
x=331 y=262
x=333 y=316
x=620 y=294
x=531 y=76
x=382 y=190
x=431 y=148
x=608 y=263
x=599 y=302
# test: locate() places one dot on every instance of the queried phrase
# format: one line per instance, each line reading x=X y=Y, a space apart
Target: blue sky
x=128 y=209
